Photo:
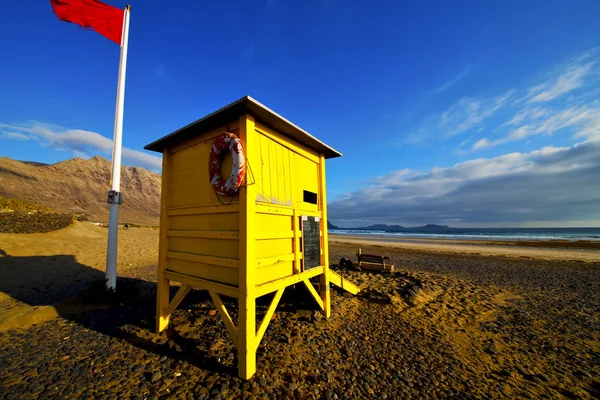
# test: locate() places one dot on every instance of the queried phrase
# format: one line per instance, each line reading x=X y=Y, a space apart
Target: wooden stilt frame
x=314 y=293
x=267 y=318
x=231 y=328
x=162 y=285
x=324 y=281
x=181 y=293
x=245 y=335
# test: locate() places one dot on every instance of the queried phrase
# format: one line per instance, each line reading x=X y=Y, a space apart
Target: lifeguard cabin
x=269 y=234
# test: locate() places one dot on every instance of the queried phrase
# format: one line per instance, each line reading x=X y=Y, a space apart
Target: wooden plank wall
x=202 y=233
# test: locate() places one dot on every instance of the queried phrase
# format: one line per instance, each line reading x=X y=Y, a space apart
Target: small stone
x=416 y=289
x=522 y=371
x=212 y=312
x=584 y=373
x=292 y=386
x=304 y=313
x=155 y=377
x=544 y=377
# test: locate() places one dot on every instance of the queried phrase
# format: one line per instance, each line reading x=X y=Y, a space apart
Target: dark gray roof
x=245 y=105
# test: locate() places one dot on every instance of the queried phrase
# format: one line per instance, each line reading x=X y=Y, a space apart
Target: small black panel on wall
x=311 y=240
x=310 y=197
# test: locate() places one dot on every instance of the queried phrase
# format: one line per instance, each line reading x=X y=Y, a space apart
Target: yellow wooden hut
x=270 y=234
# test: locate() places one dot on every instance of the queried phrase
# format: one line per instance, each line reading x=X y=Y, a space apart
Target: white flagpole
x=114 y=197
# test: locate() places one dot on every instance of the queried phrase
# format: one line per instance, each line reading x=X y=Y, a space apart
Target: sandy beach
x=545 y=250
x=457 y=320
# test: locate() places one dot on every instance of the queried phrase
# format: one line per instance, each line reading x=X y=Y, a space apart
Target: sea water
x=572 y=234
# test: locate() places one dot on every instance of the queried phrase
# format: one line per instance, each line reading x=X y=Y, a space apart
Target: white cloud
x=14 y=135
x=572 y=87
x=527 y=114
x=574 y=118
x=551 y=184
x=572 y=78
x=482 y=144
x=591 y=131
x=452 y=81
x=468 y=113
x=559 y=114
x=80 y=142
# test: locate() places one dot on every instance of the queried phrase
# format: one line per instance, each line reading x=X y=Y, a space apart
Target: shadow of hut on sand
x=59 y=285
x=76 y=292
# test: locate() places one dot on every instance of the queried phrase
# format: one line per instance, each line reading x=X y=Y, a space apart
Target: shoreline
x=547 y=250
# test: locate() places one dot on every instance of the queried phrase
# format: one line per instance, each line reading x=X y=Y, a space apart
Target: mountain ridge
x=396 y=228
x=80 y=186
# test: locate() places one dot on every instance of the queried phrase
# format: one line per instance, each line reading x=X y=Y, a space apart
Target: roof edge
x=263 y=113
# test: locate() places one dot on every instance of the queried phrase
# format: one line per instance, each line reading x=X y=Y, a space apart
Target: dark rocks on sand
x=155 y=377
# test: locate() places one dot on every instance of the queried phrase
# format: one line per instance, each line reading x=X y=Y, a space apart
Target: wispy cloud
x=14 y=135
x=452 y=81
x=577 y=119
x=571 y=79
x=468 y=113
x=78 y=142
x=567 y=98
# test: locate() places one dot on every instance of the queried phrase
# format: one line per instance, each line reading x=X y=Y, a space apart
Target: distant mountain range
x=79 y=186
x=392 y=228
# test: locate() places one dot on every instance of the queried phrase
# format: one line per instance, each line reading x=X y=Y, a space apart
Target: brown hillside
x=81 y=186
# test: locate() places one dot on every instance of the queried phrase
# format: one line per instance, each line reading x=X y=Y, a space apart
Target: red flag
x=92 y=14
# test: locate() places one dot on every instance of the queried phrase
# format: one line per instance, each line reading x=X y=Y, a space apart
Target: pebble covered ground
x=444 y=326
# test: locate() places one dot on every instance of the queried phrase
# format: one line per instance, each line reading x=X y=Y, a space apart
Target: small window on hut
x=310 y=197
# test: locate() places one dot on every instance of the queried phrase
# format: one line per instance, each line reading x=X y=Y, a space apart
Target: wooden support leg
x=162 y=303
x=267 y=318
x=225 y=317
x=181 y=293
x=246 y=335
x=314 y=293
x=325 y=293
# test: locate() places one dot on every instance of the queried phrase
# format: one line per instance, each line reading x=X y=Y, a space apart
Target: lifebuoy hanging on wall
x=227 y=141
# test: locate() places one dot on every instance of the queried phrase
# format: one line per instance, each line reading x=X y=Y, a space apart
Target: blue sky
x=468 y=114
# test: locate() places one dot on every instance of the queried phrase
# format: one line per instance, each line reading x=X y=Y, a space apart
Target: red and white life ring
x=231 y=142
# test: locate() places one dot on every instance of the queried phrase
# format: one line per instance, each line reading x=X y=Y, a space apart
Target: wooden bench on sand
x=373 y=262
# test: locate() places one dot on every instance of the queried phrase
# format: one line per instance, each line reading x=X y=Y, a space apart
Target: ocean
x=572 y=234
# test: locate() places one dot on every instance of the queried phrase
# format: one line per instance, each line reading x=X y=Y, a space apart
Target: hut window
x=310 y=197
